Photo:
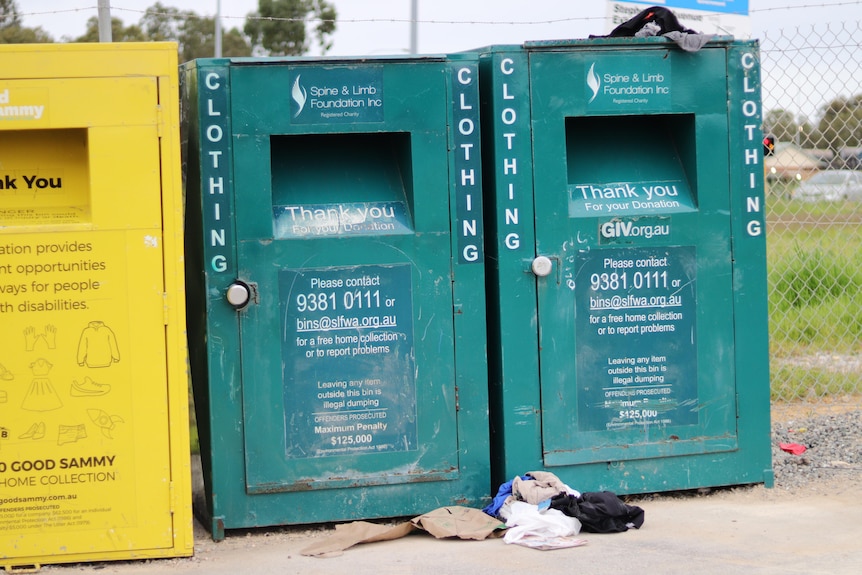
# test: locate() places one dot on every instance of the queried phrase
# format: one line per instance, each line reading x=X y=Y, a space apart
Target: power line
x=795 y=6
x=430 y=22
x=337 y=20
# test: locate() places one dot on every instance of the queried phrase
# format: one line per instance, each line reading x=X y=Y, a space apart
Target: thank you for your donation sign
x=637 y=358
x=629 y=198
x=348 y=219
x=336 y=94
x=348 y=358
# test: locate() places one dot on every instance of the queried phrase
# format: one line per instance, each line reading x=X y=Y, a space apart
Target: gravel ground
x=833 y=443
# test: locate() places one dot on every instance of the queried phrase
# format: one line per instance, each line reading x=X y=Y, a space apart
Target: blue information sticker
x=628 y=82
x=637 y=342
x=336 y=94
x=348 y=360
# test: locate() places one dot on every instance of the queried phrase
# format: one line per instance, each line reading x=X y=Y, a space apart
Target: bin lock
x=240 y=293
x=542 y=266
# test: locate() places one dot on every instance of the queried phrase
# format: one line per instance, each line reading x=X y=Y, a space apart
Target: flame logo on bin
x=299 y=96
x=593 y=82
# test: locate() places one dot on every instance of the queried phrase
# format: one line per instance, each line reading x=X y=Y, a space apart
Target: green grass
x=779 y=207
x=812 y=277
x=814 y=261
x=791 y=383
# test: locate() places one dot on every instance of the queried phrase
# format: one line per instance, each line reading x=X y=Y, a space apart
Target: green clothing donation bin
x=626 y=250
x=336 y=287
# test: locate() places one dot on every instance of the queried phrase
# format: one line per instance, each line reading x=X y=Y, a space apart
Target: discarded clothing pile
x=659 y=21
x=542 y=512
x=538 y=509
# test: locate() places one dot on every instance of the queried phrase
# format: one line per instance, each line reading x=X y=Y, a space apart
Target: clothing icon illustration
x=36 y=431
x=5 y=375
x=71 y=433
x=40 y=394
x=97 y=346
x=105 y=421
x=88 y=388
x=31 y=338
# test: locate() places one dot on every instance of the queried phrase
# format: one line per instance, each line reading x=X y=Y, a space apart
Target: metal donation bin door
x=642 y=232
x=356 y=205
x=350 y=266
x=645 y=260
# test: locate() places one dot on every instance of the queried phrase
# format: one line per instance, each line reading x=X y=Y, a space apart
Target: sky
x=378 y=27
x=369 y=27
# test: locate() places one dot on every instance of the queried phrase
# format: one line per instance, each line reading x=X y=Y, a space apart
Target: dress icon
x=97 y=346
x=41 y=395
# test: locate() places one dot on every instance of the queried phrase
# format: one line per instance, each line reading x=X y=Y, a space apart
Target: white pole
x=218 y=30
x=414 y=26
x=104 y=20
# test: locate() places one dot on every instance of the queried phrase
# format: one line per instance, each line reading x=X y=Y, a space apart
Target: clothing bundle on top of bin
x=659 y=21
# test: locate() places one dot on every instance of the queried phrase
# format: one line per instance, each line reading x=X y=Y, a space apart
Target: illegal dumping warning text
x=347 y=351
x=637 y=345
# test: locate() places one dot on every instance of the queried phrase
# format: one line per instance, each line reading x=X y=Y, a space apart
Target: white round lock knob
x=238 y=294
x=542 y=266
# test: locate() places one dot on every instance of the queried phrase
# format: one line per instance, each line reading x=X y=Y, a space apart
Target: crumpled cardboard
x=349 y=534
x=460 y=522
x=453 y=521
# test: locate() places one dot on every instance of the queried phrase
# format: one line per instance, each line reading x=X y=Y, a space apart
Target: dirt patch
x=783 y=412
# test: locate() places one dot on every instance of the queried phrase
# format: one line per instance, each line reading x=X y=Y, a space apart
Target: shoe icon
x=36 y=431
x=5 y=374
x=89 y=388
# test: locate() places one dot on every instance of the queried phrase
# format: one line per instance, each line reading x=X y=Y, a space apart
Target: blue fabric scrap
x=503 y=493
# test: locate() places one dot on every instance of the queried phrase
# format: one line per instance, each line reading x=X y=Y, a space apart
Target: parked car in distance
x=830 y=185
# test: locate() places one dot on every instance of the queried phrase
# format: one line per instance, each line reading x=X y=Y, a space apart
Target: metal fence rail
x=812 y=98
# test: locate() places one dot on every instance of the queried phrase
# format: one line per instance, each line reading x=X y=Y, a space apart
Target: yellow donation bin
x=94 y=448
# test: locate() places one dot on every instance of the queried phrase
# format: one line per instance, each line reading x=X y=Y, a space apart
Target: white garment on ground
x=549 y=529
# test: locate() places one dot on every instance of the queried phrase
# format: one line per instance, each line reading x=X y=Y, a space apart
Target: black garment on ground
x=599 y=511
x=664 y=18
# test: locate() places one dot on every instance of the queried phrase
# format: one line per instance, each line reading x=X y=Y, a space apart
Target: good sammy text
x=27 y=465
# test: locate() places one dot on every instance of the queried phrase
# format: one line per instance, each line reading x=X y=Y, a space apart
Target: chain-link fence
x=812 y=97
x=812 y=102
